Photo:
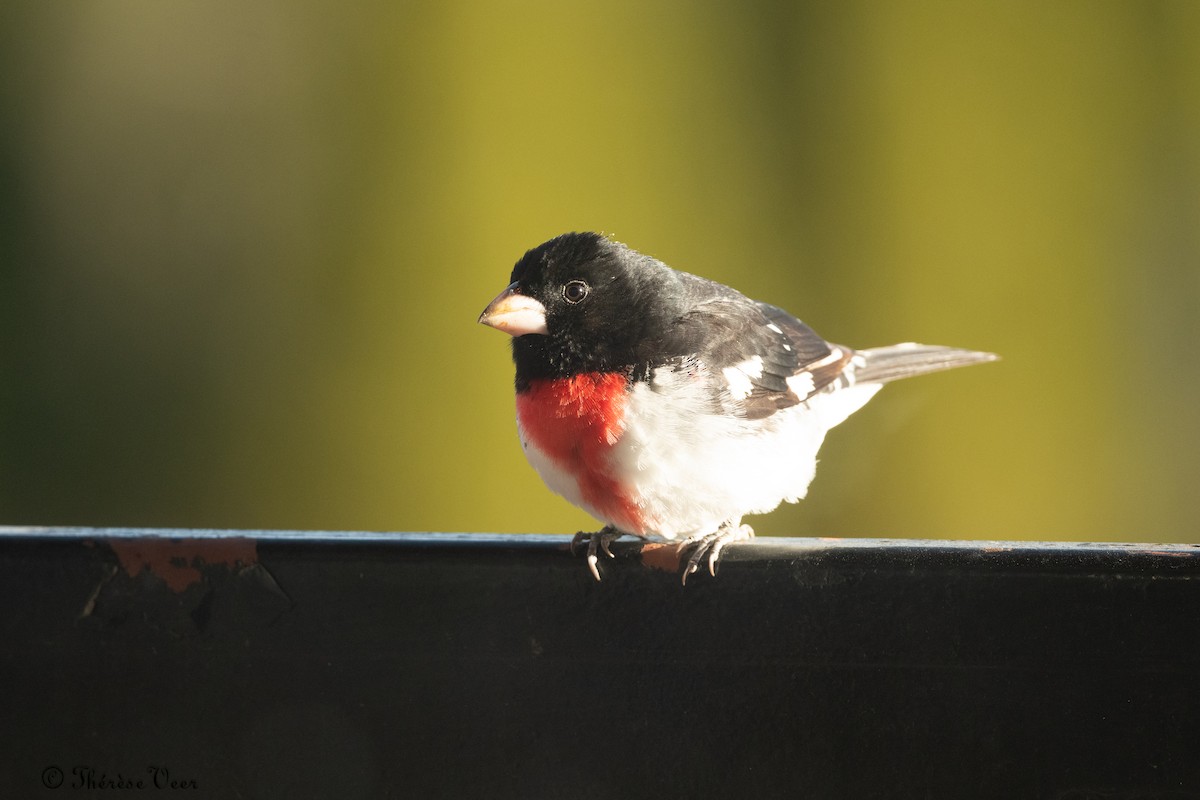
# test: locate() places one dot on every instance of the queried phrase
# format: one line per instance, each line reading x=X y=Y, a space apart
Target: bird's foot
x=711 y=545
x=597 y=543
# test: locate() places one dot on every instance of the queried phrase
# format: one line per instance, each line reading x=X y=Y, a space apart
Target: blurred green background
x=243 y=247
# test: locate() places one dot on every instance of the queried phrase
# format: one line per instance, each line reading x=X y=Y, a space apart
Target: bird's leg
x=711 y=544
x=597 y=543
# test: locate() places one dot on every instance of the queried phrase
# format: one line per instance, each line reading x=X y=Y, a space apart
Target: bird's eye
x=575 y=291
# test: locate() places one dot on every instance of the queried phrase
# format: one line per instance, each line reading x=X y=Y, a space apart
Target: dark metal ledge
x=290 y=664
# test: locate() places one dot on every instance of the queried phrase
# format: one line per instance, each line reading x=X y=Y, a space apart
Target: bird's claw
x=711 y=545
x=597 y=543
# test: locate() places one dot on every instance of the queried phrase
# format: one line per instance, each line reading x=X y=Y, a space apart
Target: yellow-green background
x=243 y=247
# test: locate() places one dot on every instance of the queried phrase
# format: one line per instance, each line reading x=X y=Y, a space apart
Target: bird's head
x=582 y=303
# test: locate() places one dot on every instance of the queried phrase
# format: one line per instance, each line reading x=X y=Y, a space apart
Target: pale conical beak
x=515 y=314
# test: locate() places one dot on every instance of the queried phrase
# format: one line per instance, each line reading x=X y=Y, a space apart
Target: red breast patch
x=575 y=422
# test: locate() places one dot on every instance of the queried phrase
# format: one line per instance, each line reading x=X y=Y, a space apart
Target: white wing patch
x=801 y=384
x=835 y=354
x=739 y=377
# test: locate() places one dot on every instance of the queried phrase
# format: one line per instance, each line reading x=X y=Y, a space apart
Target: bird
x=669 y=406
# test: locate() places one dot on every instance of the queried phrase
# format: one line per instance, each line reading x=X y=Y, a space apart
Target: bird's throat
x=575 y=417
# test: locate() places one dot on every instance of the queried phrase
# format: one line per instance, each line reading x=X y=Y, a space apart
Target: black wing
x=762 y=358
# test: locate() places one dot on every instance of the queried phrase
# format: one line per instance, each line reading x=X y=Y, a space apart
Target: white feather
x=739 y=377
x=559 y=480
x=692 y=470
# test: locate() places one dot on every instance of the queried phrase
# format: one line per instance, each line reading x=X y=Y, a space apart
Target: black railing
x=275 y=664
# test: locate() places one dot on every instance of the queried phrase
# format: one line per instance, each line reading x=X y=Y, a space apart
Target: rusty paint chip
x=661 y=555
x=178 y=562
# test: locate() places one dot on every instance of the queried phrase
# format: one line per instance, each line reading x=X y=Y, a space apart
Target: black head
x=584 y=303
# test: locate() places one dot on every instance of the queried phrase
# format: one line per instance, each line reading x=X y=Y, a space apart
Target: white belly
x=692 y=470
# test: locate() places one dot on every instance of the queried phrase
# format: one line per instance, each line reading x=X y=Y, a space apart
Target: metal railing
x=272 y=664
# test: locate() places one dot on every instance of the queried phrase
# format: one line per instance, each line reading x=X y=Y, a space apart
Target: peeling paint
x=663 y=556
x=178 y=562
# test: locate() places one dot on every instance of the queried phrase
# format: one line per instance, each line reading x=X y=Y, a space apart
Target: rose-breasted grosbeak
x=668 y=405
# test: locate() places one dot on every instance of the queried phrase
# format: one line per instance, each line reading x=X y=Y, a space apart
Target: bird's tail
x=883 y=364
